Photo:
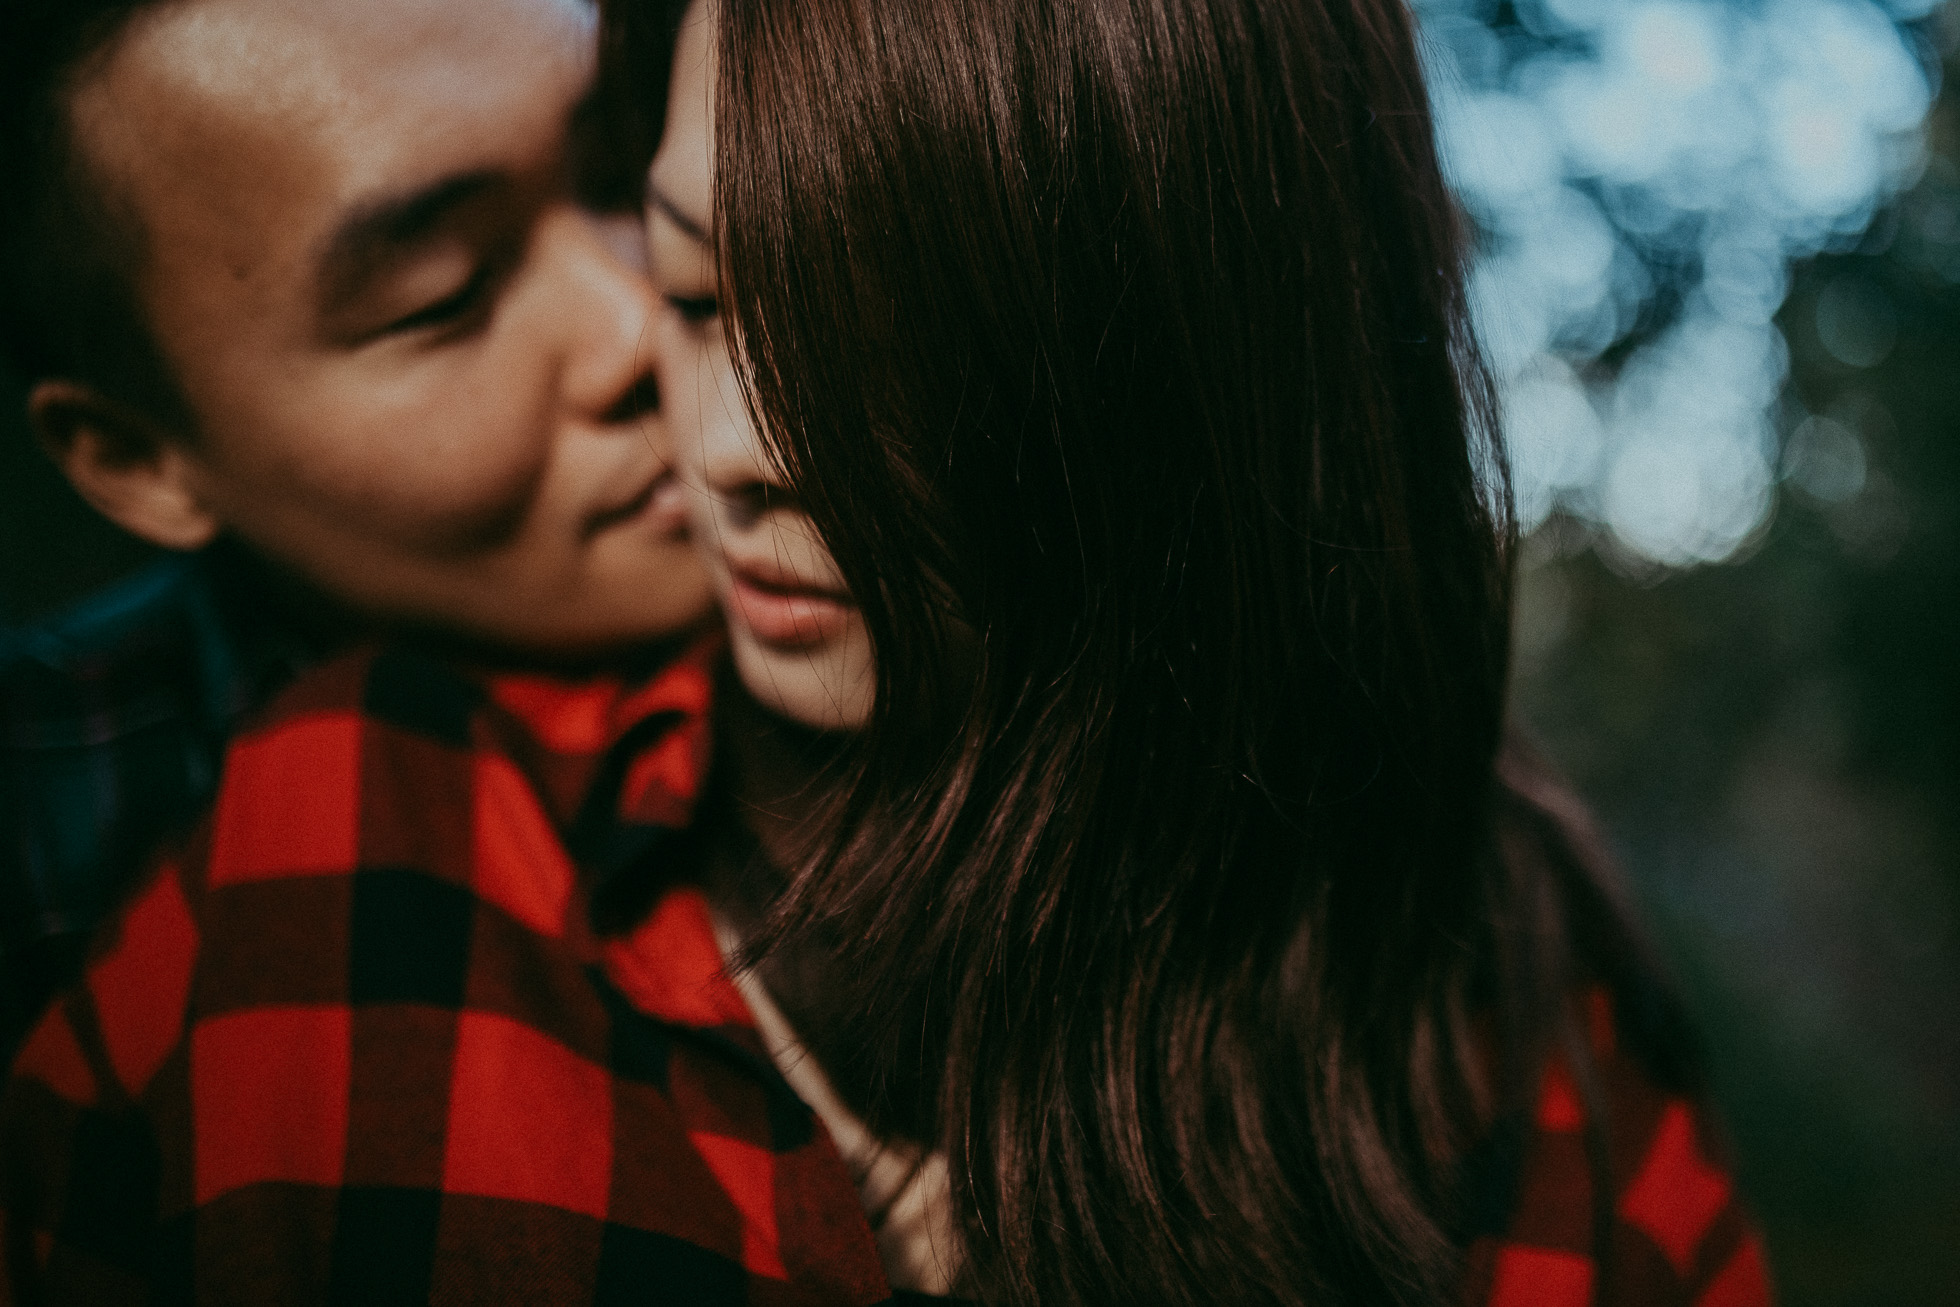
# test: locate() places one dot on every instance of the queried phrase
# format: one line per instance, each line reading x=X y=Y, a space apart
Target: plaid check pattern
x=113 y=722
x=356 y=1041
x=1676 y=1232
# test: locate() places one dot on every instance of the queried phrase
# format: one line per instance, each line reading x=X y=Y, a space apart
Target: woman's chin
x=826 y=685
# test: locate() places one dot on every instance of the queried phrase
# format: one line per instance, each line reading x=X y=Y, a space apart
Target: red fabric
x=1540 y=1277
x=141 y=985
x=670 y=966
x=1741 y=1283
x=1678 y=1234
x=518 y=862
x=57 y=1058
x=1558 y=1101
x=1677 y=1194
x=358 y=1043
x=269 y=1089
x=529 y=1120
x=290 y=803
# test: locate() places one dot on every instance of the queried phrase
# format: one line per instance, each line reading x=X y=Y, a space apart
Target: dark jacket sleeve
x=82 y=1175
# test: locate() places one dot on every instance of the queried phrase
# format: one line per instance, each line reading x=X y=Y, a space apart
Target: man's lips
x=662 y=505
x=781 y=611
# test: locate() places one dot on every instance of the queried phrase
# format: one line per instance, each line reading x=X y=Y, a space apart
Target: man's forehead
x=295 y=54
x=229 y=101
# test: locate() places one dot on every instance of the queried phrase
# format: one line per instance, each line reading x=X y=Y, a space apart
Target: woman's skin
x=799 y=640
x=800 y=649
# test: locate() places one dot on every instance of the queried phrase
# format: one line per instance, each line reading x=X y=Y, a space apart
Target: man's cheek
x=409 y=481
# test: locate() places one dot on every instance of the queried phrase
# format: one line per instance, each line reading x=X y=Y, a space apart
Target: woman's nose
x=736 y=468
x=608 y=370
x=745 y=502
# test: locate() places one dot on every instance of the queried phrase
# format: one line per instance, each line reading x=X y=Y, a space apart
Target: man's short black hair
x=70 y=245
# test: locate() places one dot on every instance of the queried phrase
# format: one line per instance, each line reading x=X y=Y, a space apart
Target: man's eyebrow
x=686 y=221
x=374 y=232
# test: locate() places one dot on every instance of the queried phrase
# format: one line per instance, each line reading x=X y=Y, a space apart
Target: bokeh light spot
x=1644 y=173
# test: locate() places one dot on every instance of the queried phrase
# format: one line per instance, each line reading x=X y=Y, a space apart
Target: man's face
x=414 y=361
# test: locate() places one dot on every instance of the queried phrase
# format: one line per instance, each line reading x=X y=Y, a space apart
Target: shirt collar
x=619 y=762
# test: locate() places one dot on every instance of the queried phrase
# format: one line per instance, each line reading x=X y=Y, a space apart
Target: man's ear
x=133 y=472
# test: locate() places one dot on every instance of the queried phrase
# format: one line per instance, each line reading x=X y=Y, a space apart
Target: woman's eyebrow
x=687 y=222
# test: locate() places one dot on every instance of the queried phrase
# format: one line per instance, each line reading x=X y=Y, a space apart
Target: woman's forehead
x=683 y=168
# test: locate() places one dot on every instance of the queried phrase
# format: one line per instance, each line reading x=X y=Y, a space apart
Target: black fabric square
x=422 y=695
x=1488 y=1177
x=383 y=1246
x=631 y=866
x=173 y=1270
x=411 y=939
x=111 y=1209
x=791 y=1122
x=640 y=1046
x=639 y=1267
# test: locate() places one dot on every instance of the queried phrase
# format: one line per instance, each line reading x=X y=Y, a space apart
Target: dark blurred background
x=1736 y=392
x=1771 y=730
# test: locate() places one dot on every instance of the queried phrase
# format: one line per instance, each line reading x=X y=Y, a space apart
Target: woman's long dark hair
x=1118 y=350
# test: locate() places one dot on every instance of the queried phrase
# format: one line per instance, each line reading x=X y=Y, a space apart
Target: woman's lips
x=780 y=612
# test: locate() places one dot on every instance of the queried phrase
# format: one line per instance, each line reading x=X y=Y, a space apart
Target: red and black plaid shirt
x=357 y=1042
x=1675 y=1234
